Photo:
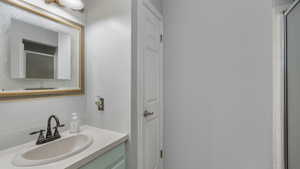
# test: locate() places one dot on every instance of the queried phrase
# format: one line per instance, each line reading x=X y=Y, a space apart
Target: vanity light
x=73 y=4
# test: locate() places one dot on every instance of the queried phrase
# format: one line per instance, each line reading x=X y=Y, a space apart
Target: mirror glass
x=292 y=88
x=37 y=52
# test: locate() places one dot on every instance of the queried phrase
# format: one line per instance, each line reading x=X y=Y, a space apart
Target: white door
x=152 y=89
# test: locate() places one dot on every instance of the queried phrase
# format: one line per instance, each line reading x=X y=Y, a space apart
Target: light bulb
x=73 y=4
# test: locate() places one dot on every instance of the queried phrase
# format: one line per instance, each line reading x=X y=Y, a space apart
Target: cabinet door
x=114 y=159
x=120 y=165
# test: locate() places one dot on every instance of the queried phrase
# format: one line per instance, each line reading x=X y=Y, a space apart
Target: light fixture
x=73 y=4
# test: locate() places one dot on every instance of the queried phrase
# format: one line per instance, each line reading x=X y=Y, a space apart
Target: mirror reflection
x=37 y=53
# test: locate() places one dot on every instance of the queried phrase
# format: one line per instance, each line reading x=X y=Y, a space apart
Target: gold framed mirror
x=41 y=54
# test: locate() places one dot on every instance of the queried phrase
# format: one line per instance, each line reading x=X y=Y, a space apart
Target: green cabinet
x=114 y=159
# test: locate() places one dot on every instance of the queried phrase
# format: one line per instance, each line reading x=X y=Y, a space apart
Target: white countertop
x=103 y=141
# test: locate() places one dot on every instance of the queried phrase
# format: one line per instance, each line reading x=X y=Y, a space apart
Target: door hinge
x=161 y=154
x=161 y=37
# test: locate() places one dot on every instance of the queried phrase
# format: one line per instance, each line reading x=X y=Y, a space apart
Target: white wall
x=218 y=84
x=157 y=4
x=282 y=2
x=108 y=41
x=18 y=118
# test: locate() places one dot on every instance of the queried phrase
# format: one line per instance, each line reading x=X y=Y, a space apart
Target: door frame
x=279 y=87
x=142 y=5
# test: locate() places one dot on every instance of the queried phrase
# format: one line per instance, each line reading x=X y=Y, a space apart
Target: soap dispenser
x=74 y=125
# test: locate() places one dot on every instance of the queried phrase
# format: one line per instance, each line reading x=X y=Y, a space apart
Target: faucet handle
x=37 y=132
x=41 y=137
x=61 y=125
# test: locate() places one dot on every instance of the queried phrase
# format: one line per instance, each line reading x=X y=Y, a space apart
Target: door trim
x=278 y=87
x=140 y=93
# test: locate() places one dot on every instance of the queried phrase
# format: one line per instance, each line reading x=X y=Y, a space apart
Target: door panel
x=151 y=143
x=120 y=165
x=151 y=89
x=114 y=159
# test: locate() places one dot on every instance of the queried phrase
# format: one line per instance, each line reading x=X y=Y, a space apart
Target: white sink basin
x=53 y=151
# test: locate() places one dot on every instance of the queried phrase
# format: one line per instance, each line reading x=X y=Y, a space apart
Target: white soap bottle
x=74 y=125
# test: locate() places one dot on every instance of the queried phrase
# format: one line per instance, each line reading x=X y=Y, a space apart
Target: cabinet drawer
x=114 y=159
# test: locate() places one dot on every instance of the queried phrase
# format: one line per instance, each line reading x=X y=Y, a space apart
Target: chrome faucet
x=49 y=136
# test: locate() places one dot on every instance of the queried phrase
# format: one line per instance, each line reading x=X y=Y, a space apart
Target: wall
x=277 y=3
x=18 y=118
x=133 y=148
x=108 y=41
x=157 y=4
x=218 y=84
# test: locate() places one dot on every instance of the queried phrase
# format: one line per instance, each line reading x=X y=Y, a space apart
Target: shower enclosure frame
x=285 y=83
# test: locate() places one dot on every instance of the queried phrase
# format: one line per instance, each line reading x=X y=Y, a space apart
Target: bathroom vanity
x=105 y=150
x=114 y=159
